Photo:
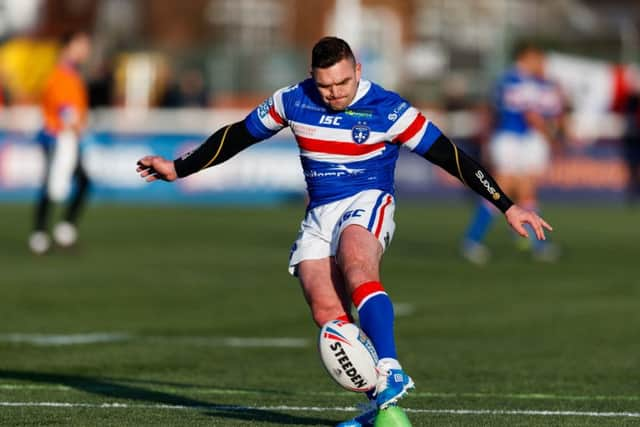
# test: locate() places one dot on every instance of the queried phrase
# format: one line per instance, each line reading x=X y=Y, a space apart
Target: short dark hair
x=69 y=36
x=523 y=47
x=329 y=51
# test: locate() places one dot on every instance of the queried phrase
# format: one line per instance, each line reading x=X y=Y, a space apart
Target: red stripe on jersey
x=381 y=220
x=275 y=116
x=364 y=291
x=334 y=147
x=412 y=130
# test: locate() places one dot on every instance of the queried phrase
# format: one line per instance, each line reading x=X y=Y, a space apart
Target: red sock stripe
x=364 y=291
x=344 y=318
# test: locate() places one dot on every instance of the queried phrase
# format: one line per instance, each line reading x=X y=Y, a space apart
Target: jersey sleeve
x=269 y=117
x=414 y=131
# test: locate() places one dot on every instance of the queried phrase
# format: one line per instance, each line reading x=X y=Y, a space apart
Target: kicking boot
x=392 y=385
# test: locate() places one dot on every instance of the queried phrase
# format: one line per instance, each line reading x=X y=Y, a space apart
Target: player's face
x=534 y=63
x=538 y=64
x=81 y=49
x=337 y=84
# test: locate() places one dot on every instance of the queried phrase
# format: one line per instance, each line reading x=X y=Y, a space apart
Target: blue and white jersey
x=345 y=152
x=517 y=93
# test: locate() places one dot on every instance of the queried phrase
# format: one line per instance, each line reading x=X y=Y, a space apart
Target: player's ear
x=358 y=71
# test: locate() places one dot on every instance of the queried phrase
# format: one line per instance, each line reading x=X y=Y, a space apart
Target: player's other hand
x=517 y=217
x=152 y=168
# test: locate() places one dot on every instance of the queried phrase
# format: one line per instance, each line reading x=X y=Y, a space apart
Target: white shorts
x=519 y=154
x=62 y=166
x=321 y=228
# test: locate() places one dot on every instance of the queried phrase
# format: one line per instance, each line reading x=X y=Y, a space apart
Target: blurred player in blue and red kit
x=64 y=107
x=349 y=131
x=528 y=113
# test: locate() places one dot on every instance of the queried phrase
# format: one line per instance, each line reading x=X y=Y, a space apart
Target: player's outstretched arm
x=448 y=156
x=517 y=217
x=153 y=168
x=225 y=143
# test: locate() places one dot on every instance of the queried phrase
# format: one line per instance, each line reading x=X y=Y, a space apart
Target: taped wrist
x=445 y=154
x=225 y=143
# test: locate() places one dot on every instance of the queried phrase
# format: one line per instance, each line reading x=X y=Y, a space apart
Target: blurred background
x=176 y=295
x=164 y=74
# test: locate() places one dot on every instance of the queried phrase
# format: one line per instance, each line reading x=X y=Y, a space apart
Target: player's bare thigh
x=523 y=187
x=508 y=182
x=324 y=289
x=528 y=188
x=359 y=254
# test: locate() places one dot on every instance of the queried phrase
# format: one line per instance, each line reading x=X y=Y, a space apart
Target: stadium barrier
x=267 y=172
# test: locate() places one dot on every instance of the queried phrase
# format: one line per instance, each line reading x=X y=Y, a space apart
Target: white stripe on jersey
x=323 y=133
x=270 y=123
x=403 y=122
x=340 y=158
x=414 y=141
x=278 y=102
x=275 y=102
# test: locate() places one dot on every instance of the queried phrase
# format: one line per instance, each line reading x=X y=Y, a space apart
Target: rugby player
x=349 y=131
x=64 y=107
x=528 y=111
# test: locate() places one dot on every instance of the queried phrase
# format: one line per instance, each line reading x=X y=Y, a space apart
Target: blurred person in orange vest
x=64 y=104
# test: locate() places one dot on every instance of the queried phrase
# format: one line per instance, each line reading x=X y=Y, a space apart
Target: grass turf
x=175 y=282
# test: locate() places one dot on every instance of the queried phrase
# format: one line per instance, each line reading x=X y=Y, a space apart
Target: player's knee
x=358 y=269
x=353 y=268
x=350 y=258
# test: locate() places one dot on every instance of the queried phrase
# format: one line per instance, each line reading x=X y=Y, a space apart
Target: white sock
x=390 y=362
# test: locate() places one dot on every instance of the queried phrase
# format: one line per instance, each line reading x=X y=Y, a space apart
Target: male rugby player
x=64 y=107
x=528 y=111
x=349 y=131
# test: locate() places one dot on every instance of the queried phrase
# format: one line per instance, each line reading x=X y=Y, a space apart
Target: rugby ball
x=348 y=355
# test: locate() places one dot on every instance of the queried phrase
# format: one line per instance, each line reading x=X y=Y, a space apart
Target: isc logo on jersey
x=330 y=120
x=348 y=355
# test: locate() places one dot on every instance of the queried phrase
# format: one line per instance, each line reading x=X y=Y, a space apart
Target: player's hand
x=517 y=217
x=152 y=168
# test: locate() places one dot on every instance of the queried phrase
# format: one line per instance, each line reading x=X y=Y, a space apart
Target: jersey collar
x=363 y=89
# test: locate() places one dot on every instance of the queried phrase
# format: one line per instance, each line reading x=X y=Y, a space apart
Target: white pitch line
x=68 y=339
x=235 y=342
x=111 y=337
x=322 y=409
x=224 y=391
x=35 y=387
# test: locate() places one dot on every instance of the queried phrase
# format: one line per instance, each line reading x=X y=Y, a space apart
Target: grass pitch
x=187 y=316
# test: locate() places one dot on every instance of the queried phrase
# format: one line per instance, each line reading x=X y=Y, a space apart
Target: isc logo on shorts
x=355 y=213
